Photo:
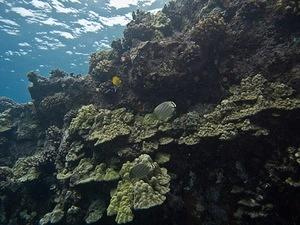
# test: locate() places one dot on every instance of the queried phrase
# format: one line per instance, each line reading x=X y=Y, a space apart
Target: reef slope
x=230 y=155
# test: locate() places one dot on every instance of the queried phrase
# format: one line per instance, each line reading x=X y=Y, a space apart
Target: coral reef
x=95 y=211
x=5 y=122
x=133 y=193
x=288 y=7
x=6 y=103
x=87 y=152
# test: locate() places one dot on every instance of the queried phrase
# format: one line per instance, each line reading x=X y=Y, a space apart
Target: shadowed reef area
x=230 y=155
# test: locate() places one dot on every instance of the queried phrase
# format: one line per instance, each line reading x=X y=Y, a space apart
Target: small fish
x=165 y=110
x=116 y=81
x=123 y=59
x=140 y=171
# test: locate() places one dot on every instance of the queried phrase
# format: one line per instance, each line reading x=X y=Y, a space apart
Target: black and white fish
x=140 y=171
x=165 y=110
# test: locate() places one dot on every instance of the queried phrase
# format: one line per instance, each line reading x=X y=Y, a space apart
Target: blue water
x=40 y=35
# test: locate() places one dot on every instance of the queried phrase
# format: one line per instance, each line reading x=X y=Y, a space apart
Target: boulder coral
x=133 y=193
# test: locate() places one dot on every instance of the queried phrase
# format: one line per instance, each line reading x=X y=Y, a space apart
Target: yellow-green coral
x=121 y=202
x=84 y=120
x=162 y=158
x=255 y=95
x=75 y=152
x=232 y=117
x=148 y=147
x=101 y=125
x=86 y=172
x=144 y=128
x=165 y=140
x=133 y=193
x=26 y=169
x=109 y=132
x=151 y=193
x=110 y=125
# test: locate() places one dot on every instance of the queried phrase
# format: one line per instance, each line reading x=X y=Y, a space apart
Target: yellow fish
x=116 y=81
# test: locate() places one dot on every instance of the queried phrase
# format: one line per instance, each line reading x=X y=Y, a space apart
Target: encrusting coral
x=84 y=119
x=102 y=125
x=234 y=115
x=86 y=172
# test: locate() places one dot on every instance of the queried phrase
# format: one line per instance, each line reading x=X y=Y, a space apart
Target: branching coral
x=55 y=102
